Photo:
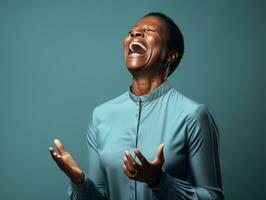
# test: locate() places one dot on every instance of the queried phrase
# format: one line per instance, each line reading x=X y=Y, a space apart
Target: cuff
x=163 y=184
x=169 y=185
x=79 y=187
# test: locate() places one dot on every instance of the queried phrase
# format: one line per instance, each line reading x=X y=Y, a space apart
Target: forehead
x=154 y=21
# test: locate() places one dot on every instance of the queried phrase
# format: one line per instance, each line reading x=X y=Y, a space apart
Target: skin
x=149 y=69
x=66 y=162
x=147 y=172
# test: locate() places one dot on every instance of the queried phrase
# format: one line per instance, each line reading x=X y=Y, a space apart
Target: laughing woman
x=151 y=142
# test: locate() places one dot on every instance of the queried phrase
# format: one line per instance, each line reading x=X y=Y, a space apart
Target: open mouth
x=136 y=49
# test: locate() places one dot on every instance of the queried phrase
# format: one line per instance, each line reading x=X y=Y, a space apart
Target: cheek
x=125 y=41
x=154 y=41
x=125 y=45
x=158 y=46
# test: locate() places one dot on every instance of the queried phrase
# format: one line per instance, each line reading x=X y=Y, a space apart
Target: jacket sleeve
x=94 y=186
x=203 y=154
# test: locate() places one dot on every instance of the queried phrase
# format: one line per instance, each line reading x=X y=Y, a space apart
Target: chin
x=134 y=69
x=135 y=65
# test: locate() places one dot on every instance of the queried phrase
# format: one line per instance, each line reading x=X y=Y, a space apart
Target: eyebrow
x=145 y=25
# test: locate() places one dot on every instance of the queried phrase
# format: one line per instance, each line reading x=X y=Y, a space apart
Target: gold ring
x=135 y=174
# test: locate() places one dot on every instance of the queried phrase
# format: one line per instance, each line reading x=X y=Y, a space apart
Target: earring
x=167 y=70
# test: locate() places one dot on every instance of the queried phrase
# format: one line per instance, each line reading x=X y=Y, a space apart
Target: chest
x=145 y=131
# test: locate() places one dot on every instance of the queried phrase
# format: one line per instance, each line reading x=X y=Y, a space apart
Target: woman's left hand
x=145 y=172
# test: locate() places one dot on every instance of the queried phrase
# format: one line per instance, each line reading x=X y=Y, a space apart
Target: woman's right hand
x=66 y=163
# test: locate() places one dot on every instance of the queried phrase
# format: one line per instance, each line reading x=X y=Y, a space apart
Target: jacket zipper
x=136 y=143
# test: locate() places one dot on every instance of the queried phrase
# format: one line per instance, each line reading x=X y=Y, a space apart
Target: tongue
x=137 y=49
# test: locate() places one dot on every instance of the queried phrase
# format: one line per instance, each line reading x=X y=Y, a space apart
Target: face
x=145 y=46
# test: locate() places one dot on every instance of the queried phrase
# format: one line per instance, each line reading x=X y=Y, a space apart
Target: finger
x=59 y=146
x=126 y=171
x=57 y=158
x=54 y=154
x=51 y=149
x=160 y=156
x=128 y=165
x=132 y=161
x=140 y=156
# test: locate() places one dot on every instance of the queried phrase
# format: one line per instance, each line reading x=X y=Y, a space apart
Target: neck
x=144 y=83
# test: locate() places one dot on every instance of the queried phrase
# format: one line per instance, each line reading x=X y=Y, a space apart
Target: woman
x=125 y=132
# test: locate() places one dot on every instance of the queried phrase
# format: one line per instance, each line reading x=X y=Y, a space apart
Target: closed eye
x=149 y=29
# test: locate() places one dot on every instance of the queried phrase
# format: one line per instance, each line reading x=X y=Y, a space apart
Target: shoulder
x=189 y=111
x=198 y=120
x=109 y=106
x=188 y=106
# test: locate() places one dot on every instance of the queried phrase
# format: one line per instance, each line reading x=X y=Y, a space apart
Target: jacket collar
x=154 y=94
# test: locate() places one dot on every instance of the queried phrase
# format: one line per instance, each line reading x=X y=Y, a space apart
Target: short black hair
x=175 y=41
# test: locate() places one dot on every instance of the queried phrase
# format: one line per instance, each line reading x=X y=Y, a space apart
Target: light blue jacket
x=192 y=168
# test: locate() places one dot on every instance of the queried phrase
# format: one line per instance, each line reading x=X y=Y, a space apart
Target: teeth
x=134 y=54
x=137 y=43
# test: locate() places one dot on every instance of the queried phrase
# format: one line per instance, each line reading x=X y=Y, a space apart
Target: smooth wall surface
x=59 y=59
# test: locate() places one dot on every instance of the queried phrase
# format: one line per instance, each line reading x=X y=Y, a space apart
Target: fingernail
x=124 y=158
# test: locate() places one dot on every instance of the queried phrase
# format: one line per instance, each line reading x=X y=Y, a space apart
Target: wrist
x=156 y=180
x=79 y=178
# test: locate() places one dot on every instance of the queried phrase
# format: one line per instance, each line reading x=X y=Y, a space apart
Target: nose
x=136 y=33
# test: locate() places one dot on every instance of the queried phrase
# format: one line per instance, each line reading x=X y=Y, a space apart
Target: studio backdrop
x=60 y=59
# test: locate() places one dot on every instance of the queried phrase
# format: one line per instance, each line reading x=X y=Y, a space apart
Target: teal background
x=59 y=59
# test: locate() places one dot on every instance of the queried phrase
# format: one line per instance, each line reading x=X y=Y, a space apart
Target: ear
x=172 y=56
